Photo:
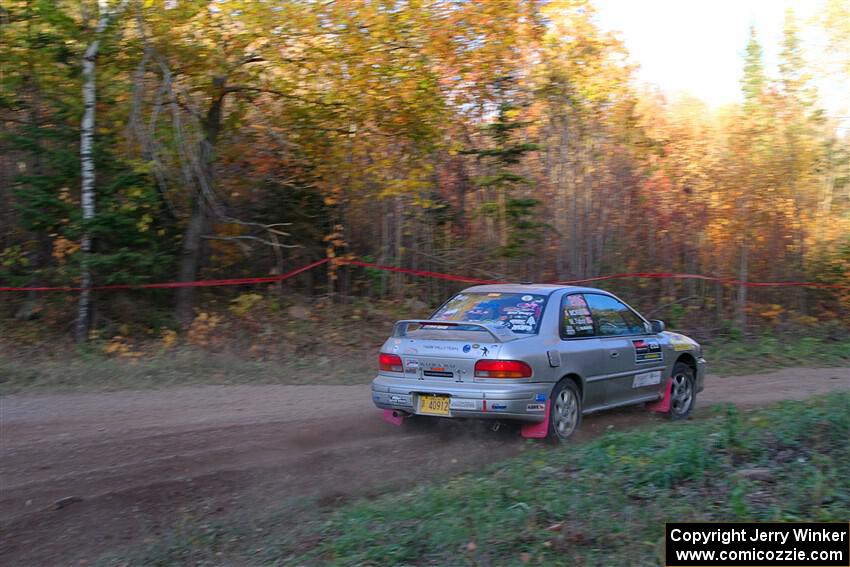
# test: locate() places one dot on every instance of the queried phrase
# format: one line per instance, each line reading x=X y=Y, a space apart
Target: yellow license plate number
x=434 y=405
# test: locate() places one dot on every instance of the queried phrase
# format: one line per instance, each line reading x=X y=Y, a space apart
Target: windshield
x=519 y=312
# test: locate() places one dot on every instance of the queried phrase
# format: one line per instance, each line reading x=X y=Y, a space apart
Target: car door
x=634 y=358
x=579 y=349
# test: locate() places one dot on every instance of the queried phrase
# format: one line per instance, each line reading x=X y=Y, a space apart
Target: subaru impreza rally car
x=541 y=354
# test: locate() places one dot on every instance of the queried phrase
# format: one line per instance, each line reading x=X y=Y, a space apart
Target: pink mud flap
x=537 y=430
x=663 y=405
x=390 y=418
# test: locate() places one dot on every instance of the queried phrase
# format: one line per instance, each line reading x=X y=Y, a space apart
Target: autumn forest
x=179 y=140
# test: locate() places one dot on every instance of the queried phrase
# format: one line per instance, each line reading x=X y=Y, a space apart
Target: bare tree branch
x=253 y=238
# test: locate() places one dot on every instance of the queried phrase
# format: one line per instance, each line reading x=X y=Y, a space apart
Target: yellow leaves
x=806 y=320
x=121 y=347
x=168 y=339
x=203 y=328
x=63 y=248
x=771 y=312
x=13 y=256
x=65 y=196
x=242 y=304
x=335 y=238
x=144 y=223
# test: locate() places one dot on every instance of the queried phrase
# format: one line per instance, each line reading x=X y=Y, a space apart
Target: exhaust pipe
x=495 y=426
x=395 y=417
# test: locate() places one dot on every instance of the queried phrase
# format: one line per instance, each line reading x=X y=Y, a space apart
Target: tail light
x=502 y=369
x=390 y=362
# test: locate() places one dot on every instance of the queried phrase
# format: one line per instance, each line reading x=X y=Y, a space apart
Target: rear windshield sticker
x=647 y=379
x=647 y=350
x=519 y=313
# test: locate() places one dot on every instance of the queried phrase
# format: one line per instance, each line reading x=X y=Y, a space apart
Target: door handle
x=615 y=353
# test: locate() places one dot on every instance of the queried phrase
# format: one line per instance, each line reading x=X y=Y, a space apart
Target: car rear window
x=519 y=312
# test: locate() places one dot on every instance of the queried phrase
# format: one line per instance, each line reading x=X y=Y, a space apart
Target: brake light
x=390 y=362
x=502 y=369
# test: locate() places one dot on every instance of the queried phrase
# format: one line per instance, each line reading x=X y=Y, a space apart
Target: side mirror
x=657 y=326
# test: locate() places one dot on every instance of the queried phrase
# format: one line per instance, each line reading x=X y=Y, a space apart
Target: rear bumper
x=524 y=401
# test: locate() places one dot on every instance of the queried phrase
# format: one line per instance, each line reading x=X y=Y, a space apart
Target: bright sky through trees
x=697 y=47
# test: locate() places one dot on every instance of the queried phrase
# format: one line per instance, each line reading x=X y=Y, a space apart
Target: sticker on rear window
x=519 y=313
x=576 y=317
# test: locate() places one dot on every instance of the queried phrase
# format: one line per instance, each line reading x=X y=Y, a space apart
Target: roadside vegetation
x=603 y=502
x=318 y=349
x=729 y=357
x=254 y=339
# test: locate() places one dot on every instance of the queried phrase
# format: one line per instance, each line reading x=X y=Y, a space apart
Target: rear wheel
x=683 y=394
x=564 y=411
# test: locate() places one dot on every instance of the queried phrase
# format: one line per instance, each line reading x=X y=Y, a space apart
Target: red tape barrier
x=424 y=273
x=166 y=285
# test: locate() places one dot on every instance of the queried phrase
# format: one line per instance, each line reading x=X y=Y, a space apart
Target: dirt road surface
x=84 y=474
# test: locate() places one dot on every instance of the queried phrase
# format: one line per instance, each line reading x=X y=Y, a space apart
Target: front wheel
x=682 y=393
x=564 y=411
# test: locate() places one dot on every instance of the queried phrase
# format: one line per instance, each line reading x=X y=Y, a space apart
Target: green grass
x=731 y=357
x=88 y=368
x=601 y=503
x=179 y=367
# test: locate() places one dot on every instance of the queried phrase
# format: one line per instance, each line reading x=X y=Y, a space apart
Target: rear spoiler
x=498 y=332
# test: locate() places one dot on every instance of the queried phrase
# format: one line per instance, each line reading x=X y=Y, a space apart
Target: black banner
x=768 y=544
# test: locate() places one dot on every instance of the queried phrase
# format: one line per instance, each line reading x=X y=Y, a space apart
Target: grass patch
x=601 y=503
x=90 y=368
x=179 y=367
x=734 y=357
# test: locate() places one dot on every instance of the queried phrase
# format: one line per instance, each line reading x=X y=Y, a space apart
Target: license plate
x=434 y=405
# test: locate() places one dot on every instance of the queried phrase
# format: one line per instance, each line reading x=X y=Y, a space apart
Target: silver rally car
x=541 y=354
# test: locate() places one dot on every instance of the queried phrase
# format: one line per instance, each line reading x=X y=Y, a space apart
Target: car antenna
x=526 y=283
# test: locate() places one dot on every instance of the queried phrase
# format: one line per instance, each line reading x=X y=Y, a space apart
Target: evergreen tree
x=754 y=79
x=515 y=214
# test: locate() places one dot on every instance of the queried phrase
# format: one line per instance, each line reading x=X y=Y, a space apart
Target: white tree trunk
x=87 y=173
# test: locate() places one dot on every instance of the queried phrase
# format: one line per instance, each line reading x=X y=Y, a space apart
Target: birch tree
x=106 y=15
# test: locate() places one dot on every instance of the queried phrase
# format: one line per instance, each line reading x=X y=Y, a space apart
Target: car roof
x=539 y=289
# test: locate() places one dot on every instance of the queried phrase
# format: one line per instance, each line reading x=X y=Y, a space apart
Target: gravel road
x=83 y=474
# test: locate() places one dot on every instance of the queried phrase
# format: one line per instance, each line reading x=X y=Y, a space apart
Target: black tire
x=564 y=411
x=683 y=393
